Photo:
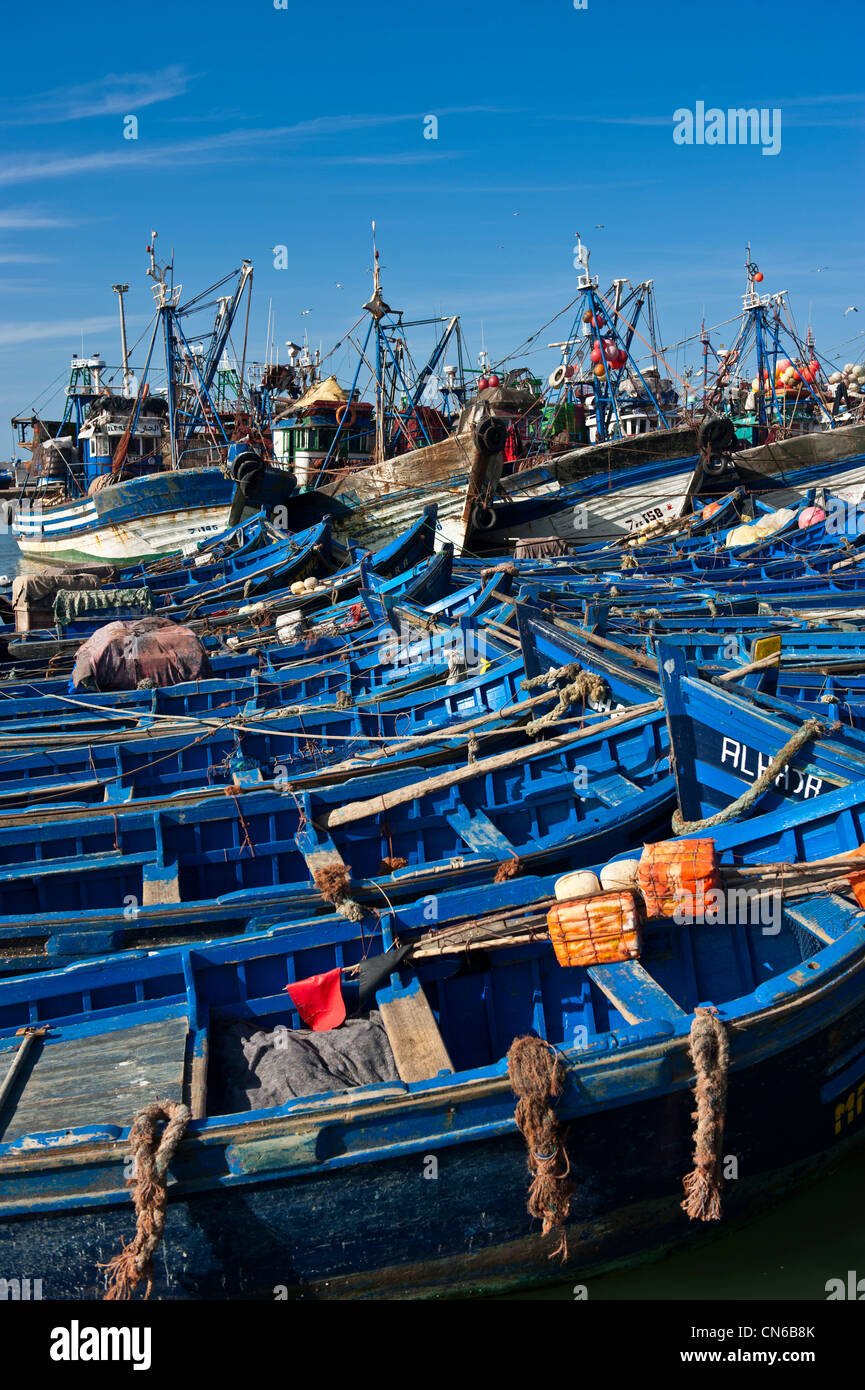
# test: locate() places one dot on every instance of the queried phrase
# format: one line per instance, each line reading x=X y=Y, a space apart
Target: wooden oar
x=30 y=1037
x=399 y=796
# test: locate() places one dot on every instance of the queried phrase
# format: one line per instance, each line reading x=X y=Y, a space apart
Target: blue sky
x=260 y=126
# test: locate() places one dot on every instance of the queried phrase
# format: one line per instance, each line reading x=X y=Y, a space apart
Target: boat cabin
x=306 y=429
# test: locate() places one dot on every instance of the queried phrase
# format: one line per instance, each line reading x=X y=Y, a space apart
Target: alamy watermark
x=720 y=906
x=736 y=126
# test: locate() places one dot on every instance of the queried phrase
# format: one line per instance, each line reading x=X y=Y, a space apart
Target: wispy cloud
x=399 y=158
x=13 y=333
x=277 y=140
x=23 y=258
x=28 y=219
x=115 y=94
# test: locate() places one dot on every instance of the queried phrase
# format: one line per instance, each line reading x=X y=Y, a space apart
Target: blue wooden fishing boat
x=728 y=744
x=299 y=1192
x=67 y=887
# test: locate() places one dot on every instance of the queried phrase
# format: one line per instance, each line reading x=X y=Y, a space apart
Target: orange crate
x=671 y=870
x=598 y=930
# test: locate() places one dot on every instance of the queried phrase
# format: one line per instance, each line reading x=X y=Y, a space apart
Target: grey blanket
x=252 y=1069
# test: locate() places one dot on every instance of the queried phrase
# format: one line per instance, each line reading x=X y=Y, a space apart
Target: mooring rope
x=332 y=883
x=587 y=687
x=537 y=1077
x=710 y=1055
x=812 y=728
x=148 y=1183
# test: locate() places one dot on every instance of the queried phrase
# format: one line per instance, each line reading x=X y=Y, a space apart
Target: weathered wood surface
x=399 y=796
x=417 y=1044
x=632 y=990
x=100 y=1079
x=822 y=447
x=436 y=463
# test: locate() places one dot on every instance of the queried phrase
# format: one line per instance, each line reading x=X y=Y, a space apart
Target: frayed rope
x=710 y=1054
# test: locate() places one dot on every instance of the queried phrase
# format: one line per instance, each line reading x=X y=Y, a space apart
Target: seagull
x=338 y=285
x=821 y=268
x=599 y=226
x=516 y=214
x=500 y=247
x=304 y=312
x=851 y=310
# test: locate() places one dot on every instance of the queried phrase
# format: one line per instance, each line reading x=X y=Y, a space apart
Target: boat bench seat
x=612 y=790
x=98 y=1079
x=826 y=916
x=417 y=1045
x=479 y=833
x=632 y=990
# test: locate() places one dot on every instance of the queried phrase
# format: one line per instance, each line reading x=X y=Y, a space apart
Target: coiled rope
x=582 y=687
x=710 y=1055
x=148 y=1182
x=812 y=728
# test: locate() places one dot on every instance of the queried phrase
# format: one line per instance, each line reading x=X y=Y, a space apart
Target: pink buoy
x=809 y=516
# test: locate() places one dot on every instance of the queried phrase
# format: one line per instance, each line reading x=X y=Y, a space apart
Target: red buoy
x=494 y=381
x=483 y=383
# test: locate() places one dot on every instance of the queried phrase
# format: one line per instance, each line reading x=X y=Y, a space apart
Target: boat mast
x=166 y=298
x=376 y=308
x=120 y=291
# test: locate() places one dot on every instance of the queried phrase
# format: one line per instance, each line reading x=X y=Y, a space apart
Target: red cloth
x=319 y=1000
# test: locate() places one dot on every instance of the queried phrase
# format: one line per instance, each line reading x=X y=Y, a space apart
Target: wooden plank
x=479 y=832
x=416 y=1043
x=632 y=990
x=612 y=790
x=100 y=1079
x=160 y=883
x=399 y=796
x=314 y=843
x=198 y=1075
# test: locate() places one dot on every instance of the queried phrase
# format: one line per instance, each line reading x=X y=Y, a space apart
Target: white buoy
x=289 y=619
x=621 y=874
x=582 y=883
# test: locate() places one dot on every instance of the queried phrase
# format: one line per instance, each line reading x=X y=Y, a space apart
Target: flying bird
x=851 y=310
x=304 y=312
x=338 y=285
x=599 y=226
x=821 y=268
